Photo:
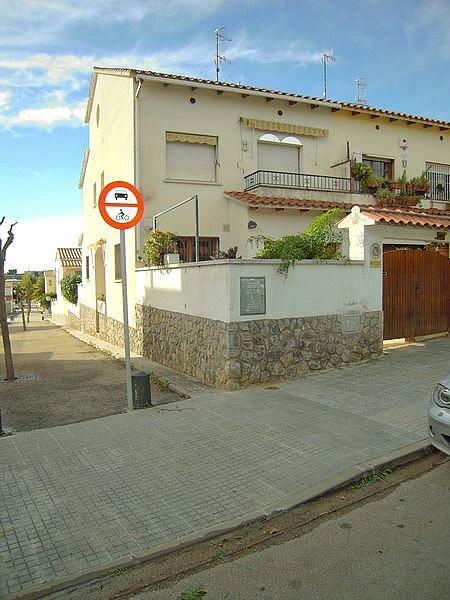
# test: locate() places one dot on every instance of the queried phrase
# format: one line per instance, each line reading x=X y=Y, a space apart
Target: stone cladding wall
x=110 y=329
x=230 y=355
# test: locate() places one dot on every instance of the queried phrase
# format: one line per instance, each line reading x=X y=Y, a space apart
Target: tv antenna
x=221 y=36
x=327 y=57
x=360 y=85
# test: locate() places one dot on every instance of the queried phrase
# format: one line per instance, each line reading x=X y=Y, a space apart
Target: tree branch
x=9 y=239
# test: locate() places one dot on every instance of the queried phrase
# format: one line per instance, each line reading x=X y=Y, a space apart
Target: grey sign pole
x=126 y=328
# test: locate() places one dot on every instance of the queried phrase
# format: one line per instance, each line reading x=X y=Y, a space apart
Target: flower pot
x=171 y=259
x=395 y=185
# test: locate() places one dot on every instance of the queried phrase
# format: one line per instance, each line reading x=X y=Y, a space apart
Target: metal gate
x=415 y=293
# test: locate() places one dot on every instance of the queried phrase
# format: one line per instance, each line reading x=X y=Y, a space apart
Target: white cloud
x=35 y=241
x=5 y=98
x=48 y=117
x=49 y=86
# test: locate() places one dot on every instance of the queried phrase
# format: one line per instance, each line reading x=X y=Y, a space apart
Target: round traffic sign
x=121 y=205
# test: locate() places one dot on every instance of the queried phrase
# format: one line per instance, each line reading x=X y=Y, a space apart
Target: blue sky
x=48 y=47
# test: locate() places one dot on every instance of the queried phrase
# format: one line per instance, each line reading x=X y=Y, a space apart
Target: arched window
x=269 y=137
x=291 y=139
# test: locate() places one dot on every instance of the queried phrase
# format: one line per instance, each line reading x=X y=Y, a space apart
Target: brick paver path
x=76 y=497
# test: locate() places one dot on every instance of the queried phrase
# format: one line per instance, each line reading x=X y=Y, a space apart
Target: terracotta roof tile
x=407 y=218
x=362 y=108
x=276 y=202
x=422 y=217
x=69 y=257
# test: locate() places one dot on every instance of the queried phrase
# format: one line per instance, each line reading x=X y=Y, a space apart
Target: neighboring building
x=9 y=294
x=67 y=262
x=262 y=162
x=50 y=281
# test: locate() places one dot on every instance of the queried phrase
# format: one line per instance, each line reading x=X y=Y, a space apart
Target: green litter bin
x=142 y=393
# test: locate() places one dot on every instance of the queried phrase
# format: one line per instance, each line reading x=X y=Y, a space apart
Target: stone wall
x=193 y=345
x=265 y=350
x=110 y=329
x=230 y=355
x=73 y=321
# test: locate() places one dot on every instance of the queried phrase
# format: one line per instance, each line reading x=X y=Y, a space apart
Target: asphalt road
x=394 y=548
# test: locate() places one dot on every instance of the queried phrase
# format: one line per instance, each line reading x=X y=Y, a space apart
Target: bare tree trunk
x=28 y=310
x=9 y=367
x=10 y=376
x=22 y=310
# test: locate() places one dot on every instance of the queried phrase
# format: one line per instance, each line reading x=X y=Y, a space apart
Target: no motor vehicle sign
x=121 y=205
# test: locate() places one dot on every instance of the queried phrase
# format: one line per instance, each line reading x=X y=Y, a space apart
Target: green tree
x=26 y=290
x=69 y=287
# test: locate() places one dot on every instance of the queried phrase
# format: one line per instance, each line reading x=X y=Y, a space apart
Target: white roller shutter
x=194 y=162
x=278 y=157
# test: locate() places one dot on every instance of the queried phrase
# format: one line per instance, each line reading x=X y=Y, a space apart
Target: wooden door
x=415 y=293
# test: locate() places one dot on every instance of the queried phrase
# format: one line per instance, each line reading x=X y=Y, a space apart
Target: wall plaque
x=253 y=295
x=375 y=255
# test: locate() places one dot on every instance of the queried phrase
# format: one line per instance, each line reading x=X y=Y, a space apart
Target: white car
x=439 y=416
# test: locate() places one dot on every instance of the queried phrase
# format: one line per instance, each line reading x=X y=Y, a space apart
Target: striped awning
x=190 y=138
x=284 y=127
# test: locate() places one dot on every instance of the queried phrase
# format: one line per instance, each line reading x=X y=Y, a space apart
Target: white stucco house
x=67 y=262
x=261 y=162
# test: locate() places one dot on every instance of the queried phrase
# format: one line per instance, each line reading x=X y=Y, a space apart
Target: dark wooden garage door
x=416 y=289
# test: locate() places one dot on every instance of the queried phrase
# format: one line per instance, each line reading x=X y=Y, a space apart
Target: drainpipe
x=137 y=156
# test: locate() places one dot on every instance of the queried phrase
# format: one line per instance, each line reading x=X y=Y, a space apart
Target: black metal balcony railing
x=301 y=181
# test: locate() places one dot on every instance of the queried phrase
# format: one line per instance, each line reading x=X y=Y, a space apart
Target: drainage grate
x=21 y=378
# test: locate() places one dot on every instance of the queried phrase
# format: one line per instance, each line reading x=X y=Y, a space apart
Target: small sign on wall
x=375 y=255
x=253 y=296
x=351 y=321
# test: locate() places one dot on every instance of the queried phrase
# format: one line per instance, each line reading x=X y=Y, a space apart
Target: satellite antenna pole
x=360 y=85
x=221 y=36
x=327 y=57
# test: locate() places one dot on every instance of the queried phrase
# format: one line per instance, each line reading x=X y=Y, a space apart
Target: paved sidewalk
x=181 y=384
x=71 y=380
x=82 y=496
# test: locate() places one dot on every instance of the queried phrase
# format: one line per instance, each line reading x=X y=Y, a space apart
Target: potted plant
x=362 y=173
x=406 y=200
x=374 y=183
x=385 y=197
x=395 y=185
x=420 y=185
x=158 y=246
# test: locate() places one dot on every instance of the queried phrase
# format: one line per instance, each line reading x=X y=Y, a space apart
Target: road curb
x=395 y=458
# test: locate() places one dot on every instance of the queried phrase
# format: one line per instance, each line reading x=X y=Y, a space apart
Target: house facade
x=67 y=262
x=261 y=162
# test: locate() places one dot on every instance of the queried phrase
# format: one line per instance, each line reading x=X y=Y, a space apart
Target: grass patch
x=192 y=594
x=367 y=480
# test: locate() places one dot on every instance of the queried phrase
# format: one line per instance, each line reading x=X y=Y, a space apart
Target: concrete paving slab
x=102 y=492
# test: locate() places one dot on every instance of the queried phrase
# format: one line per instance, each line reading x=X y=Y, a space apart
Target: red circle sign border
x=104 y=213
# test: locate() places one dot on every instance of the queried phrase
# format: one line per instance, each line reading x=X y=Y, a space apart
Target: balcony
x=300 y=181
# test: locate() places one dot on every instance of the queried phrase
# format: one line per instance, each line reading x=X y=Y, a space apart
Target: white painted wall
x=169 y=108
x=111 y=143
x=60 y=310
x=364 y=231
x=212 y=290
